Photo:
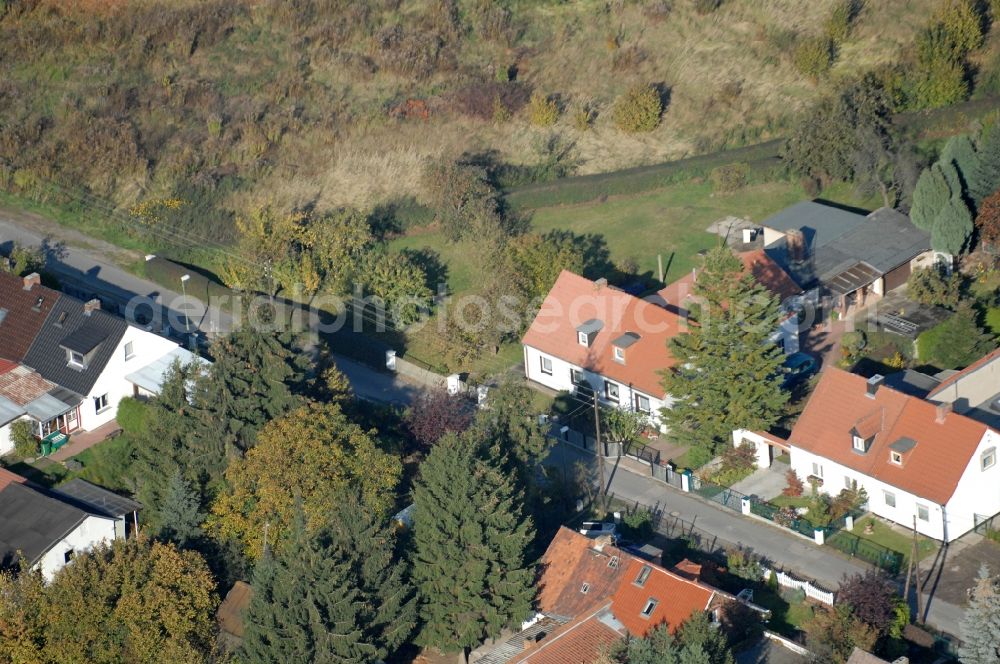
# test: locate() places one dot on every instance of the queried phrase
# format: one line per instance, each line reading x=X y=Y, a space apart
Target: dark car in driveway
x=798 y=367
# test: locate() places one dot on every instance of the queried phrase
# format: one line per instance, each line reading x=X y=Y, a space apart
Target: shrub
x=852 y=343
x=25 y=442
x=814 y=56
x=744 y=564
x=706 y=6
x=931 y=286
x=942 y=84
x=838 y=25
x=583 y=118
x=638 y=109
x=962 y=22
x=795 y=487
x=638 y=525
x=132 y=415
x=542 y=111
x=730 y=177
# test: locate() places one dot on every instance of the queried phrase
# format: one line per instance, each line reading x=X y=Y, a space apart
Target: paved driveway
x=765 y=483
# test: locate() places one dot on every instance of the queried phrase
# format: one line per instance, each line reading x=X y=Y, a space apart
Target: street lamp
x=187 y=319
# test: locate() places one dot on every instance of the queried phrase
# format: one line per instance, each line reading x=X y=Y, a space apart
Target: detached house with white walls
x=68 y=363
x=590 y=335
x=920 y=462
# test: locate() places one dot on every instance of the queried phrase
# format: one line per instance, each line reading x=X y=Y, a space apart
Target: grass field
x=892 y=539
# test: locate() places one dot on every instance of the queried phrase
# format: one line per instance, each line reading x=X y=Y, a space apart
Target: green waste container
x=46 y=448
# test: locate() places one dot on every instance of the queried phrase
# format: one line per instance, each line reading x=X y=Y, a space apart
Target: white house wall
x=6 y=444
x=92 y=530
x=978 y=491
x=906 y=503
x=561 y=381
x=146 y=347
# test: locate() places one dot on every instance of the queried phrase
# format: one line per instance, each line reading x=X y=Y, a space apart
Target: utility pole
x=916 y=572
x=600 y=452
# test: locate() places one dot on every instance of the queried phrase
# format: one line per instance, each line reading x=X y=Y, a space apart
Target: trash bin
x=46 y=448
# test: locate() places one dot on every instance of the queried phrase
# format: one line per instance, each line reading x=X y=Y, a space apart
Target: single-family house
x=923 y=464
x=79 y=361
x=592 y=594
x=45 y=529
x=678 y=295
x=591 y=336
x=851 y=257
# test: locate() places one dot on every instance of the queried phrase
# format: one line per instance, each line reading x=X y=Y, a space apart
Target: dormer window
x=76 y=359
x=859 y=444
x=622 y=343
x=899 y=448
x=587 y=332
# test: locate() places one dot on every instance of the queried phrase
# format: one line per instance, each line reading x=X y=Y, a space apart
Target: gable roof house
x=78 y=358
x=590 y=336
x=768 y=273
x=974 y=391
x=43 y=528
x=592 y=594
x=849 y=256
x=917 y=460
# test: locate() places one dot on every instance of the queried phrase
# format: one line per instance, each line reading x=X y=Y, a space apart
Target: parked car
x=798 y=367
x=597 y=528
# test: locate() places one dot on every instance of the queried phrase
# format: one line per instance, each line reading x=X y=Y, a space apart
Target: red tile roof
x=931 y=469
x=22 y=385
x=7 y=478
x=676 y=599
x=575 y=300
x=954 y=378
x=570 y=561
x=577 y=642
x=22 y=322
x=6 y=365
x=768 y=273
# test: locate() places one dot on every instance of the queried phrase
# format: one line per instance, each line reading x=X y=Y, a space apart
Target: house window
x=75 y=359
x=890 y=498
x=989 y=458
x=101 y=403
x=613 y=563
x=582 y=338
x=923 y=513
x=611 y=390
x=896 y=458
x=129 y=351
x=647 y=610
x=546 y=363
x=850 y=484
x=577 y=377
x=859 y=443
x=643 y=575
x=584 y=588
x=642 y=404
x=68 y=556
x=817 y=470
x=619 y=354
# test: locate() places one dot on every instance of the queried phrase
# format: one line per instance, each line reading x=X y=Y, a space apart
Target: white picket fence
x=811 y=591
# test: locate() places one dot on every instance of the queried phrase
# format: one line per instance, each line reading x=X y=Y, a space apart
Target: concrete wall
x=561 y=381
x=92 y=530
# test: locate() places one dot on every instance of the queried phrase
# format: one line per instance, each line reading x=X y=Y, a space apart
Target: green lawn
x=893 y=539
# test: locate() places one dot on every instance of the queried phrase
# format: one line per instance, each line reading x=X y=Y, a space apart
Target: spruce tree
x=953 y=227
x=727 y=370
x=470 y=544
x=985 y=179
x=981 y=622
x=368 y=546
x=929 y=197
x=961 y=154
x=958 y=341
x=305 y=608
x=180 y=513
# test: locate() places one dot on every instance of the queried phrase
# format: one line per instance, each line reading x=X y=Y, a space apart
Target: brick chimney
x=600 y=283
x=32 y=280
x=90 y=306
x=941 y=412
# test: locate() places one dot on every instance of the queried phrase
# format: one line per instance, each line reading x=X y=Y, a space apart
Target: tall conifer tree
x=470 y=541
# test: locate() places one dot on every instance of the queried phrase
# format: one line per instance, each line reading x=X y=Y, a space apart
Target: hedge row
x=763 y=159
